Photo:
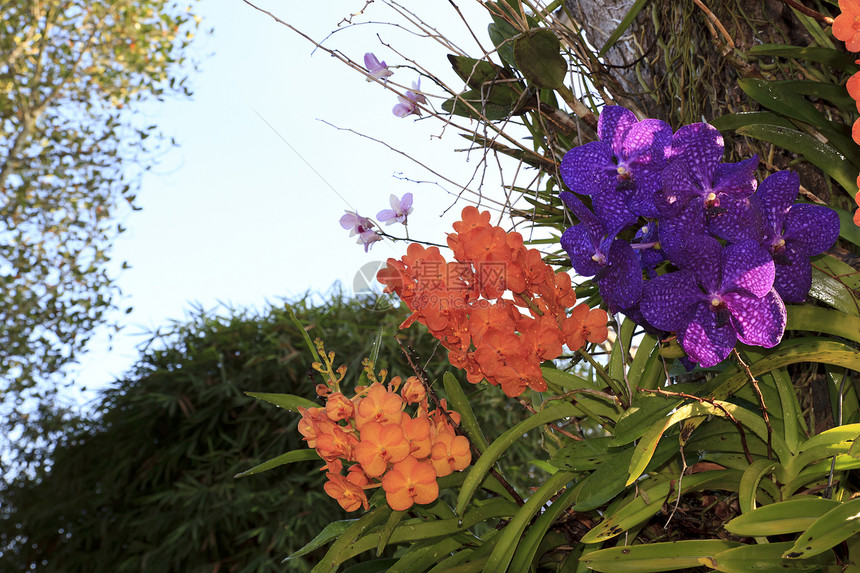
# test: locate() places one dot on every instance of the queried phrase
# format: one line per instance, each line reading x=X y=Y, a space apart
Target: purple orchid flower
x=377 y=69
x=400 y=209
x=793 y=232
x=720 y=296
x=409 y=104
x=361 y=226
x=648 y=248
x=695 y=174
x=594 y=251
x=628 y=159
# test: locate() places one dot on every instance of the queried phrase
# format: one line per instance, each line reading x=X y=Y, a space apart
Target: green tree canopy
x=70 y=74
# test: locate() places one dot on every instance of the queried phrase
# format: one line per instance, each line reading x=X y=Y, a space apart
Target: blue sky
x=233 y=214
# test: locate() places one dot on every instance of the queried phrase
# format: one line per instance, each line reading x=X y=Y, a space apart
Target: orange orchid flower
x=338 y=407
x=450 y=453
x=413 y=391
x=379 y=405
x=349 y=495
x=846 y=26
x=379 y=446
x=410 y=481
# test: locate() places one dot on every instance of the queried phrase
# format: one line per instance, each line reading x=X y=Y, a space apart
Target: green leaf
x=502 y=34
x=823 y=156
x=339 y=551
x=387 y=530
x=329 y=533
x=458 y=401
x=817 y=319
x=625 y=23
x=285 y=401
x=537 y=57
x=839 y=59
x=592 y=400
x=497 y=448
x=763 y=558
x=733 y=121
x=509 y=538
x=478 y=73
x=749 y=483
x=643 y=507
x=653 y=557
x=471 y=104
x=582 y=456
x=847 y=229
x=781 y=518
x=287 y=458
x=536 y=532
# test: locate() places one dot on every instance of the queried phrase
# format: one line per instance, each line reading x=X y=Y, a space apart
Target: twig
x=809 y=12
x=531 y=409
x=760 y=401
x=713 y=403
x=422 y=375
x=680 y=478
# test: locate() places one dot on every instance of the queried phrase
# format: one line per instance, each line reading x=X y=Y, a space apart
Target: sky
x=245 y=209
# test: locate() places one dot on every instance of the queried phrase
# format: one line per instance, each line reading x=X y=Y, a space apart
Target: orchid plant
x=694 y=305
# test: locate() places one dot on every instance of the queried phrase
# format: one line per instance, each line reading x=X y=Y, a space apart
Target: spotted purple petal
x=746 y=265
x=613 y=123
x=677 y=232
x=758 y=321
x=702 y=255
x=811 y=229
x=735 y=220
x=701 y=146
x=677 y=190
x=621 y=286
x=585 y=216
x=646 y=142
x=580 y=247
x=611 y=208
x=793 y=275
x=776 y=194
x=667 y=300
x=736 y=180
x=589 y=169
x=709 y=337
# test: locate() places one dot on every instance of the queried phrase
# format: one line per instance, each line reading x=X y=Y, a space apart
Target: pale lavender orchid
x=400 y=209
x=377 y=69
x=409 y=104
x=361 y=226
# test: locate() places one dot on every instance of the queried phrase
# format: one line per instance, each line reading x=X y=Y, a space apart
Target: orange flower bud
x=335 y=443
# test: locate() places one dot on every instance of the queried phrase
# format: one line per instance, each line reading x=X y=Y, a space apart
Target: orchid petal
x=701 y=146
x=613 y=123
x=577 y=242
x=793 y=276
x=707 y=339
x=777 y=193
x=736 y=220
x=758 y=321
x=748 y=266
x=621 y=287
x=667 y=300
x=588 y=169
x=811 y=229
x=735 y=180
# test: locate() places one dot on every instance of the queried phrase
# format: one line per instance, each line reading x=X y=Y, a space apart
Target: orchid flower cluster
x=720 y=252
x=500 y=310
x=406 y=105
x=379 y=442
x=845 y=28
x=364 y=227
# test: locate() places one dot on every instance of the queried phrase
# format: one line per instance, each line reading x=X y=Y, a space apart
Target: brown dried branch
x=760 y=401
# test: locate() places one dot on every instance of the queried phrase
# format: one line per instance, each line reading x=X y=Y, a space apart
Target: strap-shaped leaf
x=749 y=483
x=823 y=156
x=510 y=536
x=644 y=506
x=287 y=458
x=817 y=319
x=780 y=518
x=733 y=121
x=762 y=557
x=286 y=401
x=653 y=557
x=534 y=535
x=837 y=58
x=497 y=448
x=339 y=550
x=458 y=401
